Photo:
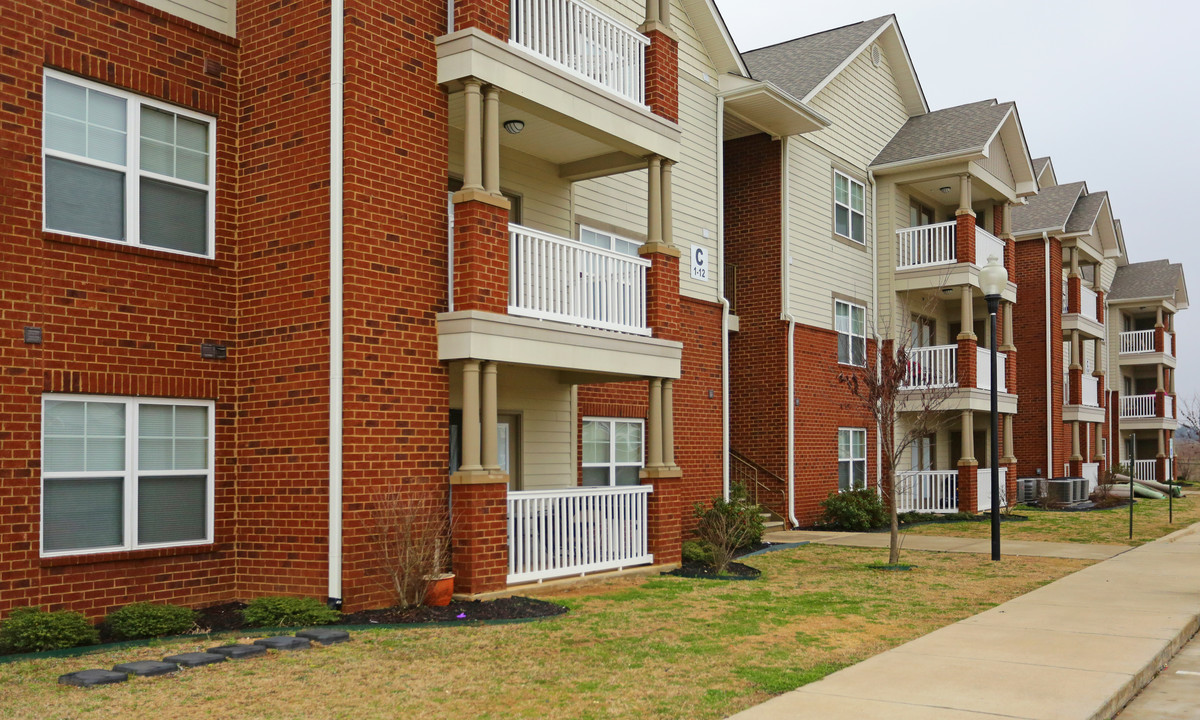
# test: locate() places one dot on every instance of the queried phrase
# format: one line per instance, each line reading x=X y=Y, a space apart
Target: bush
x=727 y=526
x=143 y=620
x=853 y=511
x=287 y=612
x=697 y=552
x=30 y=629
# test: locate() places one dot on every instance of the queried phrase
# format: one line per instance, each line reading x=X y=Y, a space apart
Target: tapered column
x=1009 y=455
x=668 y=421
x=967 y=342
x=470 y=422
x=968 y=467
x=667 y=220
x=964 y=237
x=1076 y=459
x=491 y=141
x=968 y=438
x=488 y=420
x=1097 y=437
x=664 y=12
x=654 y=433
x=654 y=201
x=472 y=152
x=1010 y=245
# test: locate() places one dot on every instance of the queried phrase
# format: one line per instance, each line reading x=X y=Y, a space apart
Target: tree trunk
x=894 y=543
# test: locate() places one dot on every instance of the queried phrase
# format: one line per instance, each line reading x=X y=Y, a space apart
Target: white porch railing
x=584 y=41
x=926 y=245
x=932 y=367
x=928 y=491
x=1167 y=338
x=1169 y=406
x=1144 y=469
x=983 y=370
x=1087 y=303
x=554 y=278
x=554 y=533
x=1137 y=406
x=983 y=484
x=1091 y=391
x=1137 y=341
x=986 y=245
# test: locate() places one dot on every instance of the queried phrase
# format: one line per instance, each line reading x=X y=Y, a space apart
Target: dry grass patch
x=1105 y=527
x=651 y=648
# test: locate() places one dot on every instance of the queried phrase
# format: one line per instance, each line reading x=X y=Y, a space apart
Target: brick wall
x=1029 y=330
x=662 y=75
x=117 y=320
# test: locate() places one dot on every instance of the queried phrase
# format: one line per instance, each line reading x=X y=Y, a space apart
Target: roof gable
x=1156 y=279
x=710 y=27
x=953 y=131
x=1048 y=211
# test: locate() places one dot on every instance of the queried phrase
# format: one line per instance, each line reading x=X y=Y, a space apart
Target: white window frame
x=612 y=239
x=849 y=331
x=851 y=212
x=132 y=169
x=130 y=474
x=852 y=460
x=612 y=463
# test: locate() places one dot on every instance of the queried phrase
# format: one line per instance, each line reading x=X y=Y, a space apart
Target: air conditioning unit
x=1079 y=490
x=1030 y=489
x=1067 y=490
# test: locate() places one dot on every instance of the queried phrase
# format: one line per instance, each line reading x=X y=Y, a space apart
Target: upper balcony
x=1087 y=409
x=1152 y=411
x=927 y=256
x=965 y=385
x=1147 y=347
x=1083 y=316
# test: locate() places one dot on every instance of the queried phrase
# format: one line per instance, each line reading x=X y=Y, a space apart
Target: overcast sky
x=1108 y=89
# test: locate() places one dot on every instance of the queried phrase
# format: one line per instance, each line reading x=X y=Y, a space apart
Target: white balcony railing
x=1167 y=341
x=1087 y=303
x=986 y=245
x=1137 y=406
x=584 y=41
x=983 y=488
x=1168 y=406
x=928 y=491
x=1145 y=469
x=1091 y=391
x=932 y=367
x=926 y=245
x=983 y=370
x=554 y=278
x=1137 y=341
x=555 y=533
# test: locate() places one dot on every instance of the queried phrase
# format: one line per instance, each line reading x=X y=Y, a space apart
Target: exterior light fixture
x=512 y=127
x=992 y=280
x=945 y=189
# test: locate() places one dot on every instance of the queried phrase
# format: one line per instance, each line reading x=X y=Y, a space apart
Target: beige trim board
x=1090 y=329
x=1084 y=413
x=961 y=399
x=951 y=276
x=1150 y=358
x=544 y=343
x=1152 y=423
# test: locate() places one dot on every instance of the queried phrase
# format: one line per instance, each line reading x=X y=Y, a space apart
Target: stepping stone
x=146 y=668
x=195 y=659
x=284 y=642
x=237 y=652
x=89 y=678
x=325 y=637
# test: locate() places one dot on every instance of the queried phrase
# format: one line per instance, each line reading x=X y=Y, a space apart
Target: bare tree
x=412 y=541
x=892 y=384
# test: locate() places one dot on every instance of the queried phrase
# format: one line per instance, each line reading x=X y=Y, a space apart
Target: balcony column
x=967 y=342
x=1075 y=371
x=1098 y=371
x=489 y=454
x=1009 y=348
x=665 y=516
x=964 y=231
x=662 y=277
x=1160 y=460
x=1010 y=244
x=472 y=150
x=654 y=200
x=470 y=418
x=668 y=214
x=662 y=60
x=654 y=429
x=668 y=420
x=491 y=140
x=1097 y=438
x=1160 y=392
x=968 y=466
x=1075 y=462
x=1160 y=331
x=1074 y=285
x=1008 y=459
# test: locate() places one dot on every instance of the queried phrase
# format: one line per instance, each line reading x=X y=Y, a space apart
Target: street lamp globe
x=993 y=278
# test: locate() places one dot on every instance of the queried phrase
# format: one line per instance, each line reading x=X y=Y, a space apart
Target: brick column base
x=481 y=261
x=662 y=74
x=964 y=238
x=1075 y=468
x=967 y=360
x=662 y=290
x=665 y=514
x=479 y=536
x=1160 y=469
x=1010 y=483
x=968 y=488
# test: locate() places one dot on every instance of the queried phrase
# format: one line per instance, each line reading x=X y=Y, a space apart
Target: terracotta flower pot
x=440 y=590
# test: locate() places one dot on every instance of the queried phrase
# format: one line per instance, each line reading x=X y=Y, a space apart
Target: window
x=848 y=208
x=127 y=169
x=852 y=459
x=612 y=451
x=125 y=473
x=850 y=321
x=608 y=241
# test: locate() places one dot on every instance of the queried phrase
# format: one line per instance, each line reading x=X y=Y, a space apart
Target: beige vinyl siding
x=545 y=198
x=997 y=163
x=219 y=15
x=820 y=263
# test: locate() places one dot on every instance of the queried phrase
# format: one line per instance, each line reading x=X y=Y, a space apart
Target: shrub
x=143 y=620
x=412 y=542
x=31 y=629
x=853 y=511
x=727 y=526
x=697 y=552
x=288 y=611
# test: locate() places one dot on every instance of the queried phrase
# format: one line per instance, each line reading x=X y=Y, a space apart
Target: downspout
x=719 y=135
x=875 y=316
x=336 y=82
x=784 y=271
x=1049 y=366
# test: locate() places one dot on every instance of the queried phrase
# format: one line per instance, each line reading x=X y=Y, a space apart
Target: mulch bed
x=228 y=616
x=736 y=571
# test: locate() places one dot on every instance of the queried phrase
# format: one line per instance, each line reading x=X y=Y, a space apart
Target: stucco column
x=668 y=221
x=967 y=357
x=964 y=196
x=1097 y=437
x=1076 y=455
x=966 y=315
x=472 y=152
x=654 y=201
x=1009 y=456
x=968 y=438
x=654 y=433
x=652 y=8
x=488 y=420
x=668 y=410
x=1007 y=344
x=491 y=140
x=664 y=12
x=470 y=417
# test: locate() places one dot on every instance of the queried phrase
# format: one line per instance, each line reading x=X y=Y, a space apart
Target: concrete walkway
x=1080 y=647
x=951 y=544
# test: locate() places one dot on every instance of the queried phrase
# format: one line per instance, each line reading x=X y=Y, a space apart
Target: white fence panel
x=984 y=488
x=983 y=370
x=931 y=367
x=1091 y=391
x=1137 y=406
x=1144 y=469
x=555 y=533
x=928 y=491
x=1137 y=341
x=1087 y=303
x=987 y=245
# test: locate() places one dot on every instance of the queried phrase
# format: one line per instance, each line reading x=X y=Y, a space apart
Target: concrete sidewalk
x=1080 y=647
x=951 y=544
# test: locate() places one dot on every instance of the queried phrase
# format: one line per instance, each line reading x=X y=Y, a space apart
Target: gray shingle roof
x=798 y=66
x=1050 y=209
x=1040 y=164
x=1087 y=209
x=1153 y=279
x=953 y=130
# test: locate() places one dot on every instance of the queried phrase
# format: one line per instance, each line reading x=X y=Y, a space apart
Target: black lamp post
x=993 y=278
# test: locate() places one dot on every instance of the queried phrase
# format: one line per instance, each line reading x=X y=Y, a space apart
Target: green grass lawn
x=1108 y=527
x=634 y=648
